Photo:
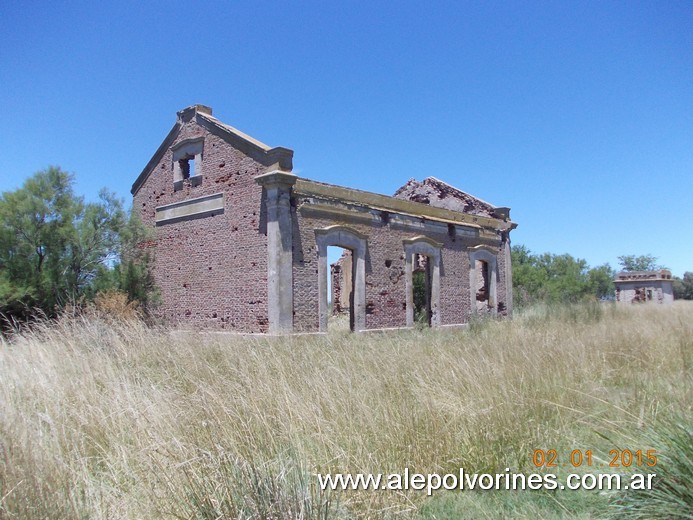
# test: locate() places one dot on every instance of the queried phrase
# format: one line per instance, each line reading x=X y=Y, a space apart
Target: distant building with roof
x=644 y=286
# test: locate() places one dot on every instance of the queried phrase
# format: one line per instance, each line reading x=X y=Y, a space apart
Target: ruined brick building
x=644 y=286
x=241 y=242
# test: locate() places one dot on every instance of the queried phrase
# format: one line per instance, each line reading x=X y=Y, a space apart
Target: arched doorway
x=422 y=255
x=483 y=274
x=355 y=242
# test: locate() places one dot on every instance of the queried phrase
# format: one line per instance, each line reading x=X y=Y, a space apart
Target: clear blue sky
x=577 y=115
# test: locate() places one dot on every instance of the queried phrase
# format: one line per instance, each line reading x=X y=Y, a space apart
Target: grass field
x=104 y=419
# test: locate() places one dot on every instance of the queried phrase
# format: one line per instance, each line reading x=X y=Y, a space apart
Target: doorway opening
x=340 y=283
x=421 y=282
x=482 y=286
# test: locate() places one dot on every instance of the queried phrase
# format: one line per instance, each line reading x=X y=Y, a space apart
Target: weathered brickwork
x=384 y=285
x=385 y=275
x=211 y=271
x=222 y=237
x=644 y=287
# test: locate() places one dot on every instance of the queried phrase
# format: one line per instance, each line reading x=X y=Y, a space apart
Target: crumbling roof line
x=380 y=202
x=463 y=192
x=434 y=192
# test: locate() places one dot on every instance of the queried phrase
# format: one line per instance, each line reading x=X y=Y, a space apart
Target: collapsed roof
x=439 y=194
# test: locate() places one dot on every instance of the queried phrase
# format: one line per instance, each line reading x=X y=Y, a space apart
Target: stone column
x=508 y=275
x=280 y=290
x=409 y=286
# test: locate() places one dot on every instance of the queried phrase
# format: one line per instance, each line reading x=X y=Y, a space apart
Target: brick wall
x=385 y=272
x=211 y=271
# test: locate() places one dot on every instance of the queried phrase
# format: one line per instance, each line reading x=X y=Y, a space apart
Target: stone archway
x=483 y=265
x=347 y=238
x=422 y=245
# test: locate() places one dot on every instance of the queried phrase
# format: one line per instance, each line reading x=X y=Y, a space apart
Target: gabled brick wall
x=211 y=271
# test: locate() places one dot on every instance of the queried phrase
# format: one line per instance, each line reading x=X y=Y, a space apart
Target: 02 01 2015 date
x=617 y=458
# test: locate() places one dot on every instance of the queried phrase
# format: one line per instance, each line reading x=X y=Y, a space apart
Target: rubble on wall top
x=626 y=276
x=437 y=193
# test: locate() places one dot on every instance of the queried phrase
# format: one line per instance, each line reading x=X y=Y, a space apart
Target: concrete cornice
x=385 y=203
x=280 y=157
x=276 y=178
x=643 y=276
x=187 y=113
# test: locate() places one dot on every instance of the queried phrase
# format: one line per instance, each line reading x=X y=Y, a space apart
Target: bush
x=671 y=496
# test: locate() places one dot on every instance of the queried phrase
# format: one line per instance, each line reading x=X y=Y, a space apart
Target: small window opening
x=187 y=163
x=187 y=167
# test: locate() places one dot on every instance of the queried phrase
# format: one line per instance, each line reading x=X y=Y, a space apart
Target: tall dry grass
x=111 y=419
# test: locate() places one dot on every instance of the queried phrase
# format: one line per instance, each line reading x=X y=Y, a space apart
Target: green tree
x=55 y=248
x=553 y=278
x=131 y=272
x=419 y=293
x=639 y=263
x=683 y=287
x=601 y=281
x=528 y=280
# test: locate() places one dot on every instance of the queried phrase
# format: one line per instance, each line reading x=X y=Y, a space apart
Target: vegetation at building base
x=104 y=418
x=58 y=250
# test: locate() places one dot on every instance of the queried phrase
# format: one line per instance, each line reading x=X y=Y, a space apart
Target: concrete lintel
x=422 y=238
x=184 y=150
x=485 y=247
x=191 y=208
x=186 y=142
x=339 y=232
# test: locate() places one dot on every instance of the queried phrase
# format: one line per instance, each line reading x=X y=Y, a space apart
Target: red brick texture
x=385 y=286
x=212 y=271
